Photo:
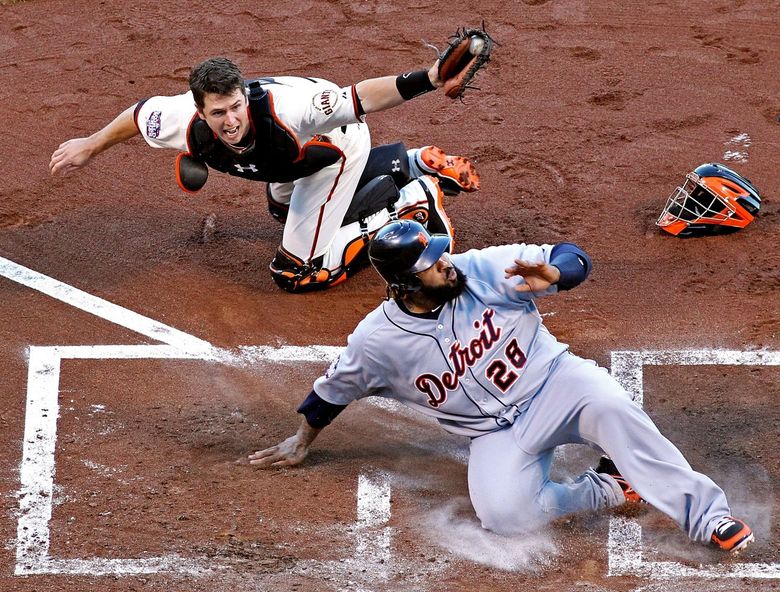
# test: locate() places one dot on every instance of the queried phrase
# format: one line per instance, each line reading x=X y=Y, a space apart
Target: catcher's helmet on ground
x=403 y=248
x=712 y=200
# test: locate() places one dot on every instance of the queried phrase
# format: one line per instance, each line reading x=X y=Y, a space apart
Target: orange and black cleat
x=455 y=173
x=608 y=467
x=731 y=534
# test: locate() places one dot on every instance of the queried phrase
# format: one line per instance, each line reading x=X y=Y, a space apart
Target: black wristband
x=413 y=84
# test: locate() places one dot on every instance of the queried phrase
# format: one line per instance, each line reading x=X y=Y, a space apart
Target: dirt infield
x=587 y=118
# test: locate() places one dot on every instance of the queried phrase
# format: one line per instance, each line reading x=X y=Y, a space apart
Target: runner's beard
x=442 y=294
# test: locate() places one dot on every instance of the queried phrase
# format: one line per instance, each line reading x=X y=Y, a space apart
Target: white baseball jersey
x=305 y=106
x=474 y=368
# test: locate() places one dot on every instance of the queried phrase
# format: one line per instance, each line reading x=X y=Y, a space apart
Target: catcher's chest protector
x=276 y=156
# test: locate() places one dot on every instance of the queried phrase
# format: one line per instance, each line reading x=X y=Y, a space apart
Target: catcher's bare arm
x=77 y=152
x=377 y=94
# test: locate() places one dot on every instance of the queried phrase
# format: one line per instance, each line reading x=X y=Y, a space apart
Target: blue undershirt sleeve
x=573 y=263
x=318 y=412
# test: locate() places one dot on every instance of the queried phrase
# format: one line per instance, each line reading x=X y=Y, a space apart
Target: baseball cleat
x=731 y=534
x=607 y=467
x=455 y=173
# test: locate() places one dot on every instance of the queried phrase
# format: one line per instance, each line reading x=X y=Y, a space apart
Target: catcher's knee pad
x=293 y=275
x=389 y=159
x=277 y=209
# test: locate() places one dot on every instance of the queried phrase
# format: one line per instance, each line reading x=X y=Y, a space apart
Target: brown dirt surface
x=588 y=116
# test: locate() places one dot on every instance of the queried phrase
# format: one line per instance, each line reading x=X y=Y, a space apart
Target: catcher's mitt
x=468 y=51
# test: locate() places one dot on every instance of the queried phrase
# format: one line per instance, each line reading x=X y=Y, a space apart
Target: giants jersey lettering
x=474 y=368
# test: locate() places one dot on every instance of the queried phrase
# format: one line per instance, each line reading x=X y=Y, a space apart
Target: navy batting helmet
x=712 y=200
x=403 y=248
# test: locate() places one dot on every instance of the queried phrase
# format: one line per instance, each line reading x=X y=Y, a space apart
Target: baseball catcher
x=308 y=140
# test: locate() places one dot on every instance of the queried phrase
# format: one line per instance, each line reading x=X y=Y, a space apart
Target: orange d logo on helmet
x=422 y=238
x=713 y=199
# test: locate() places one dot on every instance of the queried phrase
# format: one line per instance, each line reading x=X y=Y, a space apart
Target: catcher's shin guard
x=419 y=200
x=373 y=205
x=376 y=195
x=293 y=275
x=437 y=221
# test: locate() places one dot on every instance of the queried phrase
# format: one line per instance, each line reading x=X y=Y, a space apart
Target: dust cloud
x=465 y=538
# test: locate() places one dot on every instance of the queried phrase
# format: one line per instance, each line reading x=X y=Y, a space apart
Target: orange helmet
x=712 y=200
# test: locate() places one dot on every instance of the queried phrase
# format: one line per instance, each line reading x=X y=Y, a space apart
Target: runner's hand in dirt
x=537 y=276
x=288 y=453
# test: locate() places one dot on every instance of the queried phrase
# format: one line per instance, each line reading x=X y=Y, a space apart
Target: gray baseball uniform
x=485 y=366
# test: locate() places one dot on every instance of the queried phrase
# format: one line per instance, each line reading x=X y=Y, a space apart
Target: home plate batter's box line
x=624 y=545
x=625 y=536
x=37 y=469
x=38 y=465
x=38 y=460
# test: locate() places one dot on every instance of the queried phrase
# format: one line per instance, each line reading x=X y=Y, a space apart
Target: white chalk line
x=628 y=366
x=99 y=307
x=624 y=544
x=37 y=468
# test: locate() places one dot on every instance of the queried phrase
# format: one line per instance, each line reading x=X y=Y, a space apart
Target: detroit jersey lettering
x=487 y=355
x=462 y=358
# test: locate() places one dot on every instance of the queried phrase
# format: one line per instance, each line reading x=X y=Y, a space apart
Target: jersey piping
x=322 y=208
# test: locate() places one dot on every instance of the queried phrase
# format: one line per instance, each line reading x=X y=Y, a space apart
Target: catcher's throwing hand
x=537 y=276
x=70 y=155
x=466 y=54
